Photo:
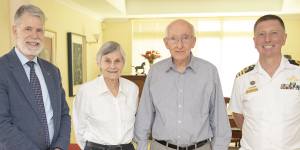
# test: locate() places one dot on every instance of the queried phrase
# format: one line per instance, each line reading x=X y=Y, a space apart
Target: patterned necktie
x=38 y=97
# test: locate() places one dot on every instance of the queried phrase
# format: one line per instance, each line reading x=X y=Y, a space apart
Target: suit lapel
x=21 y=78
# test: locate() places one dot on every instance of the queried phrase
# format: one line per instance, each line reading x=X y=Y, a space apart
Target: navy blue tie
x=38 y=97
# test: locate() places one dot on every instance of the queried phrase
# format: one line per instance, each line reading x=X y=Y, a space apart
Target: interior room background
x=226 y=41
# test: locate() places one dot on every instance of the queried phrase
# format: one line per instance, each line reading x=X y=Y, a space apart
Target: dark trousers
x=95 y=146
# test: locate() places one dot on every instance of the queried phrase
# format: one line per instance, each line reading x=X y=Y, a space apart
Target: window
x=227 y=43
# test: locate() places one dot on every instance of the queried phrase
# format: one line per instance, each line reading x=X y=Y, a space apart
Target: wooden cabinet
x=138 y=80
x=236 y=132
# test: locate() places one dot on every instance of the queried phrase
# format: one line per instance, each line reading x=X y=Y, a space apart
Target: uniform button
x=178 y=136
x=179 y=106
x=180 y=90
x=179 y=121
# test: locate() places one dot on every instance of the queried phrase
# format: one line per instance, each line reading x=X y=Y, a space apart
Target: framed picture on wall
x=76 y=61
x=49 y=50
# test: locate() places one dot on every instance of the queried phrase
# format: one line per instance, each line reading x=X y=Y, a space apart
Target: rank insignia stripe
x=245 y=70
x=251 y=89
x=293 y=79
x=294 y=62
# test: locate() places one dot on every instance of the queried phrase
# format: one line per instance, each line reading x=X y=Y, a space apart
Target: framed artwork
x=76 y=61
x=49 y=50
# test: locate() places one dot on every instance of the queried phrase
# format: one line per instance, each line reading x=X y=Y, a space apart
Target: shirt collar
x=284 y=64
x=22 y=58
x=122 y=87
x=102 y=87
x=191 y=65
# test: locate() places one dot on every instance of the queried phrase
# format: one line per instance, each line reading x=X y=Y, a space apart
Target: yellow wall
x=292 y=46
x=62 y=19
x=5 y=28
x=119 y=31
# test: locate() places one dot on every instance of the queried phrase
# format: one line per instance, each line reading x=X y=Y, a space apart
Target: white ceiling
x=108 y=9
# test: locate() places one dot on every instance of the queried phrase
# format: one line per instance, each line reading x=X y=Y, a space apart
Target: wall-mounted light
x=92 y=39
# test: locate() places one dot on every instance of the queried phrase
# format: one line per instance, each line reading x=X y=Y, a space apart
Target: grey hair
x=109 y=47
x=176 y=21
x=31 y=9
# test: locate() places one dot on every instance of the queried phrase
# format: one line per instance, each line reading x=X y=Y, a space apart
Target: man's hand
x=238 y=119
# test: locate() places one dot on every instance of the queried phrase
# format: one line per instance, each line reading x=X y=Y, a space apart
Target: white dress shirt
x=270 y=106
x=100 y=117
x=45 y=93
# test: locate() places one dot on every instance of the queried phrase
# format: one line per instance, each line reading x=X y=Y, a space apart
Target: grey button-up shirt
x=183 y=108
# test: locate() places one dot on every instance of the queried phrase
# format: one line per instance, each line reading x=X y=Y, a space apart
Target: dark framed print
x=48 y=53
x=76 y=61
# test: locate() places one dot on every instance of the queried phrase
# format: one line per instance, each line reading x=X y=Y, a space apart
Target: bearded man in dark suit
x=34 y=114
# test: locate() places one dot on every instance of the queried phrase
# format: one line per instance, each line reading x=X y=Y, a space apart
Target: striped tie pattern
x=38 y=97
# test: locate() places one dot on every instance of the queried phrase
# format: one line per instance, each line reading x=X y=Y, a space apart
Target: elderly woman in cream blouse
x=104 y=108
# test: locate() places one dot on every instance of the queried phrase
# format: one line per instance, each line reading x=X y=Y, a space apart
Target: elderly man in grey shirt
x=182 y=101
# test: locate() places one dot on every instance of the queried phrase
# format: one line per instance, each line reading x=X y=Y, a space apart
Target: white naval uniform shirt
x=100 y=117
x=271 y=107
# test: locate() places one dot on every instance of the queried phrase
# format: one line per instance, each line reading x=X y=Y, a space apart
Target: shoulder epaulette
x=245 y=70
x=293 y=62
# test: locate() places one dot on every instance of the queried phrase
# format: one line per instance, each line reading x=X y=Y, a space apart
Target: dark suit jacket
x=20 y=125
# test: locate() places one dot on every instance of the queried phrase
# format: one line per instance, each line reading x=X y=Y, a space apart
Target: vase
x=150 y=63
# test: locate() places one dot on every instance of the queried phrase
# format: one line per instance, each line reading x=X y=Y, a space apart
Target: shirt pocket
x=127 y=108
x=253 y=105
x=127 y=113
x=102 y=111
x=290 y=102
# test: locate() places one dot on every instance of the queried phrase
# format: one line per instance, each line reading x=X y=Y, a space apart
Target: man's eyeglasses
x=184 y=39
